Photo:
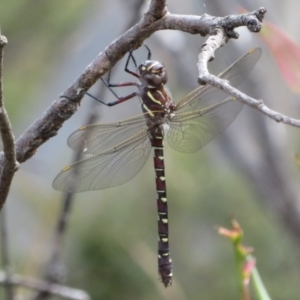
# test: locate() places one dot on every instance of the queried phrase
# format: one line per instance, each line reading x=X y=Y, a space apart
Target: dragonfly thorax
x=155 y=99
x=152 y=73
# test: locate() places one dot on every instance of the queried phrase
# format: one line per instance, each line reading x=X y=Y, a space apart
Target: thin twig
x=215 y=41
x=7 y=171
x=8 y=166
x=54 y=289
x=257 y=104
x=5 y=257
x=55 y=271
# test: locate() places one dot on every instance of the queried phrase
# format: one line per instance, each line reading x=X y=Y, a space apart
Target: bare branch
x=55 y=271
x=54 y=289
x=257 y=104
x=62 y=109
x=5 y=256
x=9 y=163
x=216 y=40
x=249 y=20
x=157 y=8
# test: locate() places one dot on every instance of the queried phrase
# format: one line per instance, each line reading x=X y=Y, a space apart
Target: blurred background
x=248 y=172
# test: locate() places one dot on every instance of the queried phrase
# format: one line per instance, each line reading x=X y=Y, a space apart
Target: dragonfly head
x=152 y=73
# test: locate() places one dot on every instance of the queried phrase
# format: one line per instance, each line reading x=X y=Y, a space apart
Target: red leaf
x=286 y=53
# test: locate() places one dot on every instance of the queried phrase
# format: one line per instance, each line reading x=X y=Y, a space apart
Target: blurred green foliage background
x=110 y=249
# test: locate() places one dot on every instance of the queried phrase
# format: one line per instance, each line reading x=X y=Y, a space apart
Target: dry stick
x=54 y=289
x=207 y=53
x=7 y=172
x=7 y=280
x=48 y=125
x=257 y=104
x=8 y=163
x=55 y=269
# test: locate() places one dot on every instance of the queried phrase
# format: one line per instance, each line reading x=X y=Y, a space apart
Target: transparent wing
x=190 y=131
x=203 y=114
x=96 y=138
x=112 y=167
x=209 y=95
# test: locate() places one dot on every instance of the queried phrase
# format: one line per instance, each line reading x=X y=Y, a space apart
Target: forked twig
x=62 y=109
x=42 y=286
x=206 y=54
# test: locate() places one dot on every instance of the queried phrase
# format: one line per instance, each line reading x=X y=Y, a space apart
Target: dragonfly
x=120 y=149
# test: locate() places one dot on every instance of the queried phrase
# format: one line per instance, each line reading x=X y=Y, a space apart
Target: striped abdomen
x=157 y=102
x=164 y=259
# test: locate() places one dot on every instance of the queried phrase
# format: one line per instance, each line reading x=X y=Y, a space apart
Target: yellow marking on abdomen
x=148 y=110
x=149 y=94
x=162 y=213
x=160 y=93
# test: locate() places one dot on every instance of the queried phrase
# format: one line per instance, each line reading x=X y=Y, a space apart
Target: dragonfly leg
x=110 y=85
x=149 y=52
x=130 y=56
x=120 y=99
